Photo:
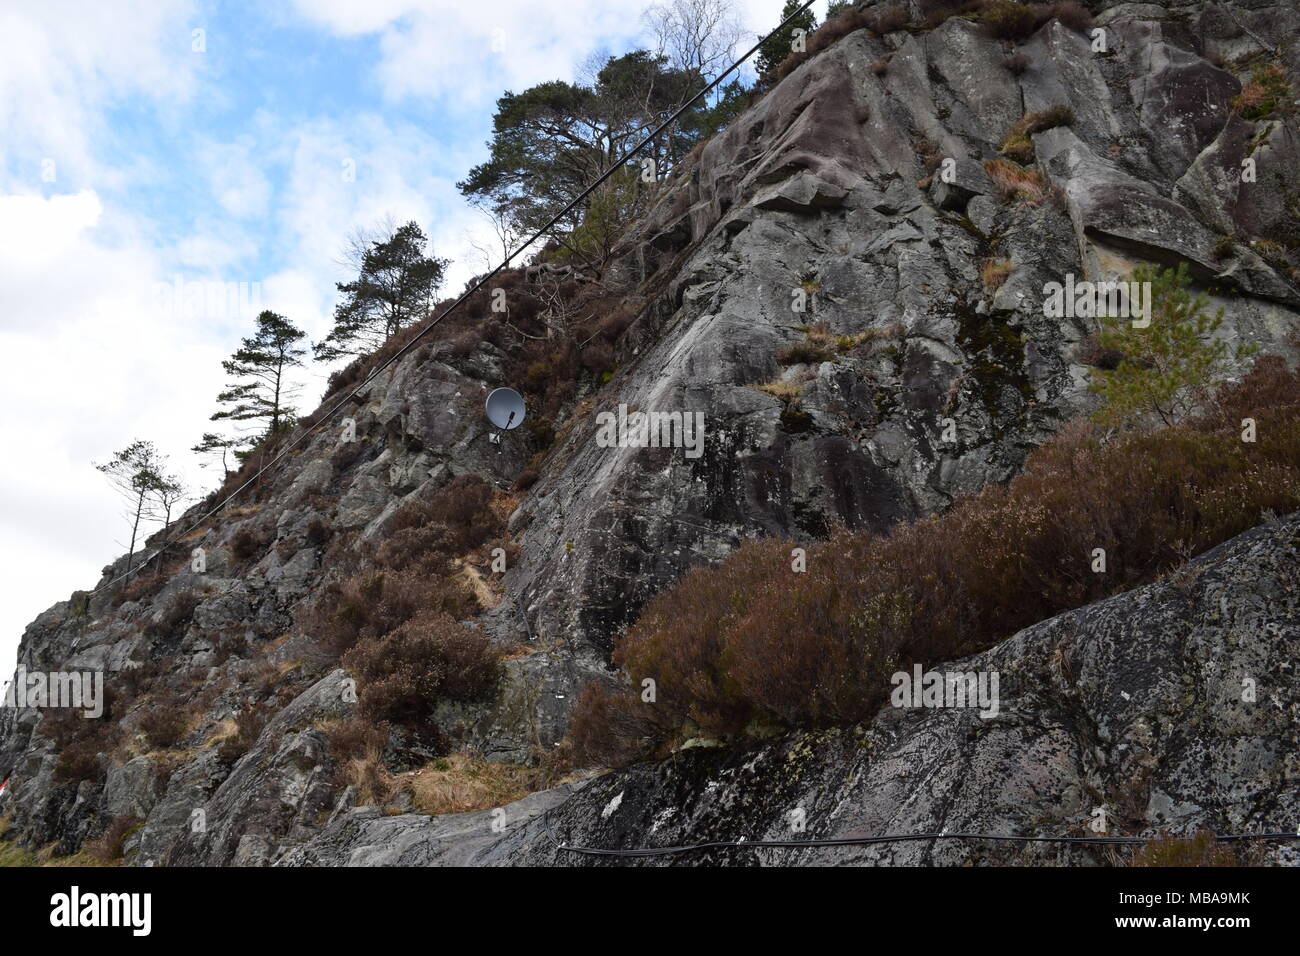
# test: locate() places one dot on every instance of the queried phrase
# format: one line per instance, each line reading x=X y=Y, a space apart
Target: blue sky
x=136 y=153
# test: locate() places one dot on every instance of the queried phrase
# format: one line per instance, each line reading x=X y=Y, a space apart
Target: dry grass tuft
x=994 y=273
x=786 y=391
x=461 y=783
x=1018 y=143
x=1015 y=183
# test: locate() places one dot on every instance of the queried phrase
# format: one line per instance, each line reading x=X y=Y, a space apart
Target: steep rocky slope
x=827 y=187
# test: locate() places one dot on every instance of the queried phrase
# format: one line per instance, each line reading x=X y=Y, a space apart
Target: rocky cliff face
x=921 y=366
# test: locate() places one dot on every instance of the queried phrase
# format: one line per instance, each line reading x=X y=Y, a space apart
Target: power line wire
x=463 y=297
x=873 y=840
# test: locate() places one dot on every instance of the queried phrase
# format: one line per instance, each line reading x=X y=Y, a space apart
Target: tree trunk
x=275 y=402
x=135 y=527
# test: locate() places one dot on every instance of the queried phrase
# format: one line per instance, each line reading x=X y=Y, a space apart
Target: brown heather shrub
x=135 y=679
x=372 y=604
x=1092 y=352
x=887 y=19
x=460 y=514
x=403 y=675
x=64 y=725
x=249 y=724
x=836 y=28
x=611 y=727
x=249 y=543
x=1016 y=63
x=1008 y=20
x=79 y=760
x=318 y=533
x=935 y=12
x=266 y=677
x=141 y=586
x=680 y=642
x=527 y=478
x=790 y=64
x=1073 y=15
x=929 y=152
x=751 y=640
x=616 y=321
x=463 y=343
x=163 y=724
x=177 y=615
x=107 y=848
x=228 y=646
x=415 y=573
x=353 y=737
x=347 y=454
x=598 y=357
x=423 y=548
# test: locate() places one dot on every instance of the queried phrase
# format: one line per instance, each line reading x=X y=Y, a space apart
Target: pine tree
x=779 y=46
x=263 y=359
x=168 y=492
x=395 y=286
x=1165 y=368
x=213 y=444
x=136 y=472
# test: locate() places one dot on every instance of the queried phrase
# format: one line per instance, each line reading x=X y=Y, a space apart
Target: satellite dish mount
x=505 y=410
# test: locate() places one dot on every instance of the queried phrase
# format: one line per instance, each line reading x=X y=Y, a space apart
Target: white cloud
x=391 y=169
x=350 y=17
x=51 y=269
x=235 y=179
x=466 y=54
x=37 y=230
x=62 y=61
x=216 y=249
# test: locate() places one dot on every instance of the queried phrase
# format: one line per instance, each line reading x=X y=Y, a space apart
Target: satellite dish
x=505 y=408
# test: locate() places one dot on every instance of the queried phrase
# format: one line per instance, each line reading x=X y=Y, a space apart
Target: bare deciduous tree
x=698 y=36
x=360 y=241
x=506 y=235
